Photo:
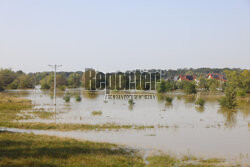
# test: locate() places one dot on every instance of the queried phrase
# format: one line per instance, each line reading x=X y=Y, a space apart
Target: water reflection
x=244 y=107
x=90 y=95
x=200 y=109
x=230 y=117
x=130 y=107
x=189 y=98
x=160 y=97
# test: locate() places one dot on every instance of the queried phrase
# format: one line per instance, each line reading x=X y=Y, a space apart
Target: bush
x=165 y=86
x=213 y=84
x=229 y=100
x=169 y=99
x=241 y=92
x=131 y=102
x=78 y=97
x=189 y=87
x=200 y=102
x=94 y=113
x=66 y=97
x=161 y=87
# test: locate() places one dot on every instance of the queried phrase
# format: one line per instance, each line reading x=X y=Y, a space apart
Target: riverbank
x=22 y=149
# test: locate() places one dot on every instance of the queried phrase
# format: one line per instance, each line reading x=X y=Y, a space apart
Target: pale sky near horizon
x=111 y=35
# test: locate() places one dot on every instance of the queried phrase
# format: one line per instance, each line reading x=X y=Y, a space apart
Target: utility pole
x=55 y=67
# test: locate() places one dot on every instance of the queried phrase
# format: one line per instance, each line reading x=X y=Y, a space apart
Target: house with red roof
x=186 y=77
x=217 y=76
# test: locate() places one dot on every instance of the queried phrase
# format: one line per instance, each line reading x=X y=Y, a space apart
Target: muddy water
x=206 y=132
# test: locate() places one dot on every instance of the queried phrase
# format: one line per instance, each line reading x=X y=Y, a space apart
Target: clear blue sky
x=111 y=35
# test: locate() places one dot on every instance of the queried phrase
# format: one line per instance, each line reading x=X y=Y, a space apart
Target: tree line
x=10 y=79
x=237 y=78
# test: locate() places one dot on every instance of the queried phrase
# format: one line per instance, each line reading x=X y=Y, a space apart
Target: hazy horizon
x=123 y=35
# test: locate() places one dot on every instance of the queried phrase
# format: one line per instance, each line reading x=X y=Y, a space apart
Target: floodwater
x=203 y=132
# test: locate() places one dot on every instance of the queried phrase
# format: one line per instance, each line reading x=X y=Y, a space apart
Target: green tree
x=189 y=87
x=203 y=83
x=14 y=84
x=7 y=76
x=229 y=100
x=246 y=80
x=48 y=81
x=165 y=86
x=161 y=87
x=74 y=80
x=25 y=81
x=213 y=84
x=1 y=86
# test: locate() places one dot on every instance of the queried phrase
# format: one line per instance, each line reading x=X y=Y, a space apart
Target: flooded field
x=180 y=127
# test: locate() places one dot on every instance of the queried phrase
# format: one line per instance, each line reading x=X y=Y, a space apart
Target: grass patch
x=43 y=114
x=96 y=113
x=10 y=108
x=69 y=127
x=19 y=149
x=162 y=161
x=185 y=161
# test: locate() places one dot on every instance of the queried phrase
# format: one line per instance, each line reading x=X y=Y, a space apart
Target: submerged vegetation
x=78 y=97
x=67 y=97
x=96 y=113
x=10 y=107
x=185 y=161
x=70 y=127
x=229 y=100
x=131 y=102
x=200 y=102
x=168 y=99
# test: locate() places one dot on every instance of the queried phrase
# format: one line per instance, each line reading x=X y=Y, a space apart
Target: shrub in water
x=229 y=101
x=169 y=99
x=78 y=97
x=131 y=102
x=96 y=113
x=66 y=97
x=200 y=102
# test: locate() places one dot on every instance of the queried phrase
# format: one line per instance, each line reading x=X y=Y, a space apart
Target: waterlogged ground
x=203 y=132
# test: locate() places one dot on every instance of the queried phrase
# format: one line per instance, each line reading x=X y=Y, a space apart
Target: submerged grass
x=19 y=149
x=10 y=116
x=43 y=114
x=69 y=127
x=186 y=161
x=96 y=113
x=10 y=108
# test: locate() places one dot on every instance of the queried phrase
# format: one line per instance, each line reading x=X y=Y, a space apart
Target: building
x=217 y=76
x=186 y=78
